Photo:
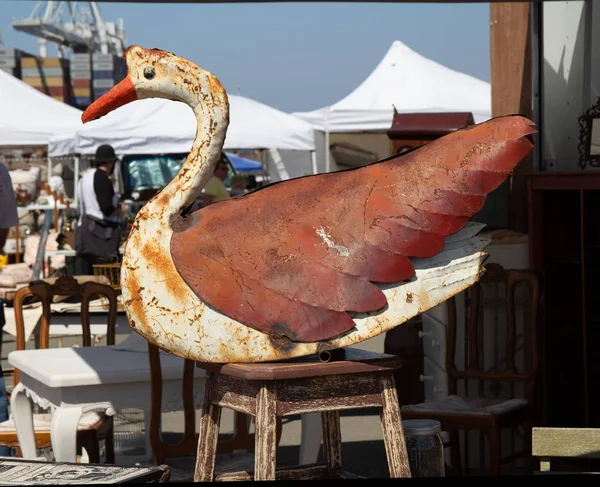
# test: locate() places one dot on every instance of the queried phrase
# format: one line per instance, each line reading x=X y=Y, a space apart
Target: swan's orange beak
x=119 y=95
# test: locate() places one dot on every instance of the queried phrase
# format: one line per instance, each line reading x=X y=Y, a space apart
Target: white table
x=72 y=381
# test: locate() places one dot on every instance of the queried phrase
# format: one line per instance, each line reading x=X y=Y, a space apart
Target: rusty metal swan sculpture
x=309 y=264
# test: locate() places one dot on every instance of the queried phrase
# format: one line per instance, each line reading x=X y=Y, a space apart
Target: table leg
x=63 y=433
x=22 y=413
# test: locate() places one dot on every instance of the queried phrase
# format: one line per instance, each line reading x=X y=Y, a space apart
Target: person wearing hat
x=97 y=236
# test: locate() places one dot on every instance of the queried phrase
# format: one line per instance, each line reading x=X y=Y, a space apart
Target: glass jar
x=425 y=447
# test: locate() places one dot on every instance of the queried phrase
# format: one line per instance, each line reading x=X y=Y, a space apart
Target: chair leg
x=455 y=457
x=265 y=460
x=393 y=434
x=209 y=434
x=109 y=446
x=332 y=440
x=493 y=435
x=92 y=447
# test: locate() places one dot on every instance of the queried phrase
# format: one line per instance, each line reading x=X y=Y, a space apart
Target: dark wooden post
x=510 y=59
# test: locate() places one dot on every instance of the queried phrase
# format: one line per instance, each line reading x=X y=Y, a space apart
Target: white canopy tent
x=408 y=82
x=157 y=126
x=412 y=84
x=29 y=117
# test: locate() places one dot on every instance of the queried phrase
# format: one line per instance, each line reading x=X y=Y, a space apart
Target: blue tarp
x=241 y=164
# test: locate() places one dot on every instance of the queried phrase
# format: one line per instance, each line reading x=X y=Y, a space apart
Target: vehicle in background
x=143 y=176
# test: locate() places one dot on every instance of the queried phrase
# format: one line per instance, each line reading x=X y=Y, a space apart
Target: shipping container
x=37 y=81
x=82 y=101
x=103 y=83
x=82 y=92
x=102 y=75
x=80 y=83
x=41 y=72
x=87 y=75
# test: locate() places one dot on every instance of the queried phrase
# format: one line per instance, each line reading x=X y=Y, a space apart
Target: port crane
x=76 y=26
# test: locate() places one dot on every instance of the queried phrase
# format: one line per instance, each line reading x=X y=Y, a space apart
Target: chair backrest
x=65 y=286
x=504 y=283
x=188 y=444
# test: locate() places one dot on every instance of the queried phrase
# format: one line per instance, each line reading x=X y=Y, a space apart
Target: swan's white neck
x=207 y=98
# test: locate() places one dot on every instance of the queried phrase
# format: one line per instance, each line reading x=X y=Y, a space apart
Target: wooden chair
x=93 y=426
x=477 y=412
x=182 y=469
x=550 y=443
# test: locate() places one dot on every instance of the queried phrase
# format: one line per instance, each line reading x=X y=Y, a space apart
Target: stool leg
x=209 y=434
x=391 y=423
x=266 y=434
x=332 y=440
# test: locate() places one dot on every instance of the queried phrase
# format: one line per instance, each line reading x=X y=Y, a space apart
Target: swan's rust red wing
x=292 y=259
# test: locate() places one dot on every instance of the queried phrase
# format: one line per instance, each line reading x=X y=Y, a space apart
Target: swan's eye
x=149 y=72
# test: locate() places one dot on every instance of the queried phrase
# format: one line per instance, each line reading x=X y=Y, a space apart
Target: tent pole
x=49 y=175
x=327 y=163
x=75 y=179
x=313 y=157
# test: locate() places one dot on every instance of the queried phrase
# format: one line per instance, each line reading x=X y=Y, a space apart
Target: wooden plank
x=332 y=439
x=305 y=472
x=510 y=62
x=393 y=434
x=327 y=393
x=236 y=394
x=562 y=180
x=347 y=361
x=209 y=435
x=266 y=434
x=566 y=442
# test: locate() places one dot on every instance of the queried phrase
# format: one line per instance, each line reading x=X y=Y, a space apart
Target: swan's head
x=152 y=73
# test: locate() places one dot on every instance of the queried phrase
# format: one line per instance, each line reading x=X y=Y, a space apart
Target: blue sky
x=293 y=56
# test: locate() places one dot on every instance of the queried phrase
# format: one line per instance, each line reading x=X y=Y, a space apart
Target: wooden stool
x=358 y=379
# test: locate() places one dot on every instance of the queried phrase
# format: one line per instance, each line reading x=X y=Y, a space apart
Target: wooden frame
x=586 y=124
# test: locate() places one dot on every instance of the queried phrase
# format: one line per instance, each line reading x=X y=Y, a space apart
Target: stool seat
x=354 y=378
x=346 y=361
